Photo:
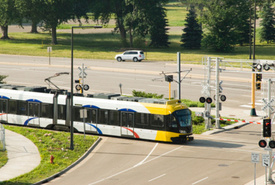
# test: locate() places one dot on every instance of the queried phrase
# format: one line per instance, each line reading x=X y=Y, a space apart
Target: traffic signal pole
x=218 y=93
x=269 y=170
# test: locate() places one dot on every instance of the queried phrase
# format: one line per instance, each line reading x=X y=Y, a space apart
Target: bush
x=197 y=120
x=146 y=95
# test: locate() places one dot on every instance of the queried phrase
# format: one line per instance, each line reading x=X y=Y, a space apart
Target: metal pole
x=269 y=170
x=254 y=38
x=179 y=77
x=254 y=173
x=217 y=92
x=253 y=109
x=72 y=90
x=169 y=90
x=208 y=106
x=82 y=79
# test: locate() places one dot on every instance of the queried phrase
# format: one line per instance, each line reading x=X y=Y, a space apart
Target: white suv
x=135 y=55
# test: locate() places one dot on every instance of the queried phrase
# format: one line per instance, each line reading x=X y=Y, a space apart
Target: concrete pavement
x=23 y=156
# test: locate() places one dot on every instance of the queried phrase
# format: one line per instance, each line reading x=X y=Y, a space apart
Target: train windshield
x=183 y=117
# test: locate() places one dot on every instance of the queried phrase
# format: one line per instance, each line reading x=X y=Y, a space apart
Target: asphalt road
x=106 y=75
x=223 y=158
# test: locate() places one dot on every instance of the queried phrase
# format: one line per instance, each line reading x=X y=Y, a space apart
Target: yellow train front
x=176 y=118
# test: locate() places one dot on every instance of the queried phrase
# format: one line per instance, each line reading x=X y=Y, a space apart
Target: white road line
x=147 y=155
x=128 y=169
x=157 y=177
x=200 y=181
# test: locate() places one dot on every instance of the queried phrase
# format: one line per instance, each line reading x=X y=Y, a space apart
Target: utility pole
x=218 y=93
x=179 y=76
x=253 y=109
x=208 y=94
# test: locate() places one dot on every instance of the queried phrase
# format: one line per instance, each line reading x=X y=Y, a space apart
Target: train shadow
x=213 y=144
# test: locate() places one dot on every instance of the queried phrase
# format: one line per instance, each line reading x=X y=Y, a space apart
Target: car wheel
x=119 y=59
x=135 y=59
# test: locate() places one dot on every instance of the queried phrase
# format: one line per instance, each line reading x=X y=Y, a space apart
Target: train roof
x=110 y=96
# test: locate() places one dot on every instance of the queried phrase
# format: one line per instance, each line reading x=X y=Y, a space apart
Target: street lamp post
x=253 y=109
x=72 y=79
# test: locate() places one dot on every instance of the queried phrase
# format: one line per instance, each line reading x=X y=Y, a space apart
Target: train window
x=157 y=120
x=131 y=119
x=76 y=115
x=12 y=107
x=114 y=117
x=172 y=122
x=62 y=112
x=46 y=110
x=183 y=117
x=34 y=109
x=127 y=119
x=103 y=116
x=92 y=115
x=3 y=105
x=142 y=120
x=22 y=108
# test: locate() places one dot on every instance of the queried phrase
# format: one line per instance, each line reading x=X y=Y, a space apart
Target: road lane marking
x=200 y=180
x=141 y=162
x=128 y=169
x=157 y=177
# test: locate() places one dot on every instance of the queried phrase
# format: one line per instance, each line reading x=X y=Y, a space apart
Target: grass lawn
x=51 y=143
x=3 y=158
x=107 y=45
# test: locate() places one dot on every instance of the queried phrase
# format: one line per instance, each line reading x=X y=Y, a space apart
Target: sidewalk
x=23 y=156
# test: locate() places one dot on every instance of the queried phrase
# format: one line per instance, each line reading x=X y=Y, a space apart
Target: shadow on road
x=214 y=144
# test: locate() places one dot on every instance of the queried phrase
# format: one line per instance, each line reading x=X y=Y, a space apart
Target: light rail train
x=103 y=114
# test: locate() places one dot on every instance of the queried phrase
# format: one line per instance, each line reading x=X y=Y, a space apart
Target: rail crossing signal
x=267 y=128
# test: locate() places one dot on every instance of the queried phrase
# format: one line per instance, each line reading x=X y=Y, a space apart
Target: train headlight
x=182 y=131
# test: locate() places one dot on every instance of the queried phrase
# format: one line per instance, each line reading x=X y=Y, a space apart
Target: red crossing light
x=262 y=143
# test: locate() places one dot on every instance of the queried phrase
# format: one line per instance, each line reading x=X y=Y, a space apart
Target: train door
x=127 y=124
x=3 y=110
x=34 y=113
x=92 y=117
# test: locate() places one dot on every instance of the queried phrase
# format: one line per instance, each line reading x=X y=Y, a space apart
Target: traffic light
x=271 y=144
x=169 y=78
x=258 y=85
x=262 y=143
x=202 y=99
x=258 y=77
x=258 y=81
x=208 y=100
x=267 y=128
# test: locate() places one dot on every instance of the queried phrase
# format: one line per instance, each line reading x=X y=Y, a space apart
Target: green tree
x=267 y=32
x=59 y=11
x=8 y=15
x=158 y=26
x=135 y=17
x=31 y=10
x=2 y=77
x=222 y=19
x=191 y=38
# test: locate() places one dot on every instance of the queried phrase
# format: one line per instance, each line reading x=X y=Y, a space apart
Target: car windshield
x=141 y=52
x=183 y=117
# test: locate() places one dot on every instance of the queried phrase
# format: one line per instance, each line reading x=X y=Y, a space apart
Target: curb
x=227 y=128
x=71 y=166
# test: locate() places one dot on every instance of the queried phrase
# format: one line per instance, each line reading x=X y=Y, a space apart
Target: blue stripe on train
x=28 y=120
x=98 y=130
